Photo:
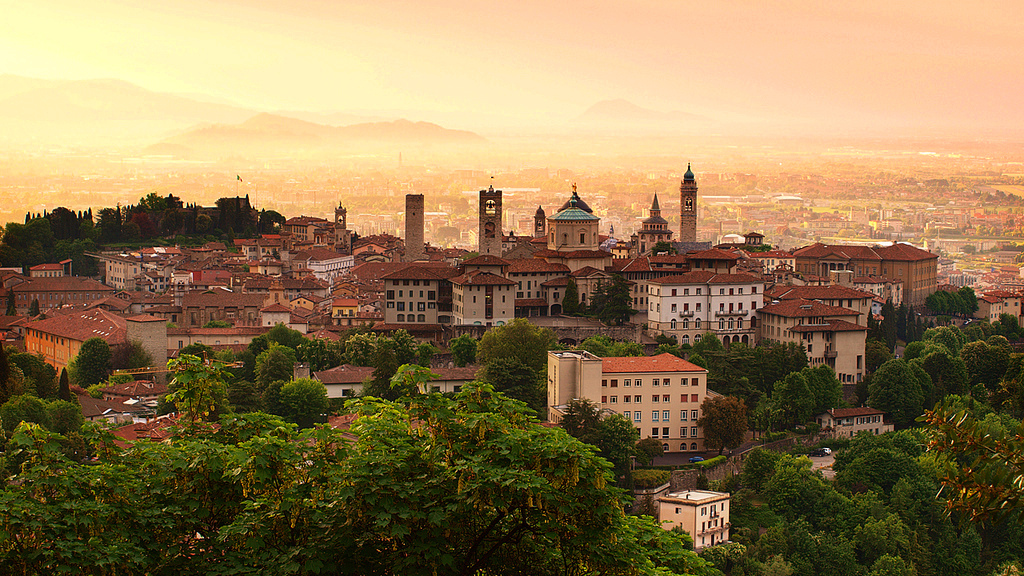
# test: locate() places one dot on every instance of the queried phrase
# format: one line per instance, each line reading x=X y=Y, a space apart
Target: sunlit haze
x=879 y=67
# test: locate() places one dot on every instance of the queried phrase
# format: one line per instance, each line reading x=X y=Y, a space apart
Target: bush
x=647 y=478
x=711 y=462
x=773 y=436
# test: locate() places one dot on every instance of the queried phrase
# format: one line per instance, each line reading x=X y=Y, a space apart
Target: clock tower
x=688 y=207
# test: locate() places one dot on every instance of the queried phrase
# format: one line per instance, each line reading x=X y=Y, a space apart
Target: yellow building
x=702 y=513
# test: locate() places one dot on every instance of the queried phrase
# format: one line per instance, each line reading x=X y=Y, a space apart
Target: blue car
x=696 y=459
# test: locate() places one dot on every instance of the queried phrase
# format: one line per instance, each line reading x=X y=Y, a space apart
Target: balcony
x=830 y=353
x=732 y=313
x=718 y=528
x=686 y=313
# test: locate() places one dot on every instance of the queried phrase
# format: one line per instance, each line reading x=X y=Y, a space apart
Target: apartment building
x=688 y=305
x=661 y=395
x=52 y=292
x=829 y=334
x=482 y=298
x=702 y=513
x=848 y=422
x=418 y=295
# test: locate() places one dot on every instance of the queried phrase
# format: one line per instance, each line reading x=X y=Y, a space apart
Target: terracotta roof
x=832 y=291
x=842 y=251
x=61 y=284
x=712 y=254
x=481 y=278
x=316 y=254
x=851 y=412
x=456 y=373
x=556 y=282
x=830 y=326
x=588 y=271
x=661 y=363
x=137 y=388
x=669 y=259
x=345 y=374
x=531 y=302
x=486 y=260
x=904 y=252
x=233 y=331
x=84 y=325
x=420 y=271
x=221 y=299
x=705 y=277
x=578 y=254
x=804 y=309
x=521 y=265
x=275 y=307
x=145 y=318
x=345 y=302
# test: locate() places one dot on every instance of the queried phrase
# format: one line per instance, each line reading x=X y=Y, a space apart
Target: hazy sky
x=903 y=62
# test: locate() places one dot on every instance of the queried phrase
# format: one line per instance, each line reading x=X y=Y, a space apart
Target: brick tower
x=490 y=233
x=688 y=207
x=414 y=228
x=539 y=223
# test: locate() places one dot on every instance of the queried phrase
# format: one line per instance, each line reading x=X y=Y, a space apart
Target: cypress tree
x=65 y=387
x=33 y=310
x=571 y=301
x=5 y=376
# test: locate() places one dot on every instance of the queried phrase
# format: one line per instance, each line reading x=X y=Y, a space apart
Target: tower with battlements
x=490 y=234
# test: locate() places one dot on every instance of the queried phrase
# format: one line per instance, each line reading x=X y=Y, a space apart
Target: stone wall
x=687 y=479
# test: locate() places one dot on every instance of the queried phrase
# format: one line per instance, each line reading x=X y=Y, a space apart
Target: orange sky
x=899 y=64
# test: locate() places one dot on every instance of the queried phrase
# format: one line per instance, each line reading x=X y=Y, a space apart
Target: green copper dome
x=689 y=173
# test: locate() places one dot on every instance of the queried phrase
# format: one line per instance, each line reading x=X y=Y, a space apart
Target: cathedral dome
x=579 y=203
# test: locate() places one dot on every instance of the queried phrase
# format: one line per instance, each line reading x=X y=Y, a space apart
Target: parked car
x=818 y=452
x=694 y=459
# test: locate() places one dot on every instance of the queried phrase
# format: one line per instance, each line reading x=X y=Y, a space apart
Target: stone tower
x=539 y=220
x=414 y=228
x=688 y=207
x=342 y=235
x=490 y=233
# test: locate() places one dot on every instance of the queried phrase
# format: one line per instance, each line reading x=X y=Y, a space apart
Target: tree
x=463 y=350
x=276 y=364
x=304 y=402
x=39 y=377
x=64 y=392
x=825 y=388
x=876 y=353
x=517 y=380
x=571 y=298
x=758 y=467
x=198 y=349
x=93 y=362
x=33 y=309
x=614 y=436
x=888 y=326
x=663 y=247
x=23 y=408
x=900 y=388
x=424 y=353
x=724 y=422
x=612 y=302
x=11 y=310
x=197 y=390
x=518 y=339
x=986 y=364
x=217 y=324
x=794 y=398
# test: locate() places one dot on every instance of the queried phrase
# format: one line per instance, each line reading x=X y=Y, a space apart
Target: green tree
x=93 y=362
x=64 y=392
x=11 y=310
x=517 y=380
x=199 y=350
x=39 y=376
x=304 y=402
x=463 y=350
x=276 y=364
x=571 y=298
x=197 y=389
x=888 y=325
x=217 y=324
x=724 y=422
x=876 y=353
x=900 y=388
x=518 y=339
x=612 y=301
x=64 y=417
x=424 y=353
x=613 y=435
x=795 y=399
x=986 y=364
x=23 y=408
x=663 y=247
x=758 y=467
x=33 y=309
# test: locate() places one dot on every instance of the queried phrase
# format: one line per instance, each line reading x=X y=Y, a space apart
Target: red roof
x=804 y=309
x=830 y=326
x=521 y=265
x=851 y=412
x=481 y=278
x=661 y=363
x=832 y=291
x=486 y=260
x=712 y=254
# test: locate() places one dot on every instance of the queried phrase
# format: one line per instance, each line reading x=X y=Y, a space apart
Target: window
x=654 y=416
x=693 y=447
x=636 y=416
x=686 y=291
x=654 y=432
x=693 y=414
x=666 y=382
x=684 y=398
x=637 y=382
x=682 y=432
x=615 y=383
x=655 y=383
x=693 y=432
x=604 y=399
x=626 y=382
x=615 y=399
x=604 y=383
x=401 y=306
x=401 y=317
x=627 y=414
x=655 y=398
x=684 y=381
x=721 y=291
x=664 y=434
x=664 y=416
x=626 y=399
x=637 y=400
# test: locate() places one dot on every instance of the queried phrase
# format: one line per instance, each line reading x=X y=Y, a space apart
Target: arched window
x=421 y=318
x=664 y=447
x=491 y=207
x=686 y=323
x=673 y=323
x=693 y=446
x=697 y=324
x=401 y=317
x=686 y=337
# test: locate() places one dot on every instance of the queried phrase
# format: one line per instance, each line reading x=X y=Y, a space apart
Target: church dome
x=689 y=174
x=579 y=204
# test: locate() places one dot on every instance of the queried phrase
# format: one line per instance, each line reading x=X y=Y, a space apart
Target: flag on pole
x=239 y=177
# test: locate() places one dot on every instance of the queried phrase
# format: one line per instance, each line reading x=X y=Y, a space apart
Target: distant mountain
x=275 y=135
x=106 y=111
x=621 y=114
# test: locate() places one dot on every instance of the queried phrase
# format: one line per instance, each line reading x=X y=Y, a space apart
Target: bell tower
x=490 y=235
x=688 y=207
x=539 y=222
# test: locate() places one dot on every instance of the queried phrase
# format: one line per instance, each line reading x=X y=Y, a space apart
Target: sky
x=902 y=64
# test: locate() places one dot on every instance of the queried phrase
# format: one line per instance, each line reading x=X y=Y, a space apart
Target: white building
x=688 y=305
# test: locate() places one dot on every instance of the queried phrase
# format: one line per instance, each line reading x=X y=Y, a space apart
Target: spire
x=654 y=205
x=689 y=173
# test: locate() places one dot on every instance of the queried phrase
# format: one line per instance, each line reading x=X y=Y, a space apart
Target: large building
x=414 y=246
x=688 y=305
x=661 y=395
x=653 y=229
x=915 y=268
x=829 y=334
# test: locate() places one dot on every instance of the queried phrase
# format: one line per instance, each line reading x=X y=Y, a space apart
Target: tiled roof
x=712 y=254
x=317 y=254
x=904 y=252
x=221 y=299
x=830 y=326
x=804 y=309
x=661 y=363
x=556 y=282
x=588 y=271
x=531 y=302
x=486 y=260
x=137 y=388
x=481 y=278
x=420 y=271
x=345 y=302
x=832 y=291
x=525 y=265
x=851 y=412
x=233 y=331
x=84 y=325
x=846 y=252
x=275 y=307
x=345 y=374
x=705 y=277
x=61 y=284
